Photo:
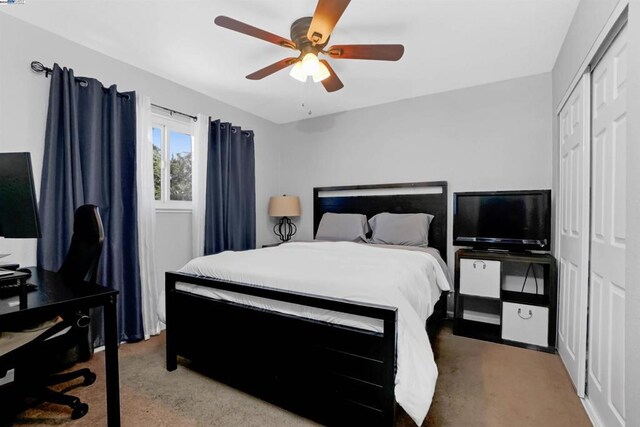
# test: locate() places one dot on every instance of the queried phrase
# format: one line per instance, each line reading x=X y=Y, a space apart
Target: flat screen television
x=18 y=208
x=507 y=220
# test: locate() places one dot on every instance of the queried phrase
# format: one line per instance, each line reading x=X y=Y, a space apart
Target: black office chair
x=81 y=262
x=55 y=339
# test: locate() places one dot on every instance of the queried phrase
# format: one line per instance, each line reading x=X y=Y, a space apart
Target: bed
x=335 y=361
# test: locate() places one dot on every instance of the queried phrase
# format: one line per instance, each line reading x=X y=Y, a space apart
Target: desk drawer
x=525 y=323
x=480 y=278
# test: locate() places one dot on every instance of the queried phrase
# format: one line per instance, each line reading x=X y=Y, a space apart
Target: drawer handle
x=484 y=266
x=525 y=318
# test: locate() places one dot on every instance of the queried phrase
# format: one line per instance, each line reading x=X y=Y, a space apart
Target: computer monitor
x=18 y=206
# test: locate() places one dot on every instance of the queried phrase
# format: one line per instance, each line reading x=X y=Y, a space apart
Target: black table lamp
x=284 y=207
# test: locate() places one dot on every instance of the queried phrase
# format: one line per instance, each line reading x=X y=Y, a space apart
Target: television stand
x=496 y=250
x=506 y=297
x=504 y=251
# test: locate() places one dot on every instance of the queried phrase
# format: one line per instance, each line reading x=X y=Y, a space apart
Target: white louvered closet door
x=573 y=226
x=606 y=370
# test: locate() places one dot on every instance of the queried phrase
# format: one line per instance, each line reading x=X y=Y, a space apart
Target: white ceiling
x=449 y=44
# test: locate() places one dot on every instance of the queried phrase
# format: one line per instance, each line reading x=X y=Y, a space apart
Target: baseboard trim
x=591 y=412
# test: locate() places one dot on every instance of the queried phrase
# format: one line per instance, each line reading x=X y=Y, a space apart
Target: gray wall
x=490 y=137
x=23 y=109
x=633 y=224
x=590 y=17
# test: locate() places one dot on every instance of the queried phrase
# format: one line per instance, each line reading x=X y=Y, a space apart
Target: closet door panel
x=606 y=373
x=573 y=248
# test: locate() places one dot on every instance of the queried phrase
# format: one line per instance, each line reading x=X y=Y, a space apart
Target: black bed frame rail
x=332 y=373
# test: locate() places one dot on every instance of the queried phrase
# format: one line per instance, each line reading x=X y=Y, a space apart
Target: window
x=172 y=163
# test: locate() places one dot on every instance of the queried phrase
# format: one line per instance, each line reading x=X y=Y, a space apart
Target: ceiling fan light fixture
x=310 y=36
x=310 y=64
x=298 y=73
x=321 y=74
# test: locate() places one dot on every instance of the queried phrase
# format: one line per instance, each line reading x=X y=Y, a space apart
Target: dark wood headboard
x=413 y=197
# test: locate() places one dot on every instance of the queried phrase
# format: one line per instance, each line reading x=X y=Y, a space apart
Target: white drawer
x=525 y=323
x=480 y=277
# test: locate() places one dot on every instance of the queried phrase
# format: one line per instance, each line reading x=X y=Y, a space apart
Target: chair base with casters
x=34 y=376
x=44 y=393
x=39 y=383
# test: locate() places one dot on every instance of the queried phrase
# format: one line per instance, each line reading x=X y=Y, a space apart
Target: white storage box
x=525 y=323
x=480 y=278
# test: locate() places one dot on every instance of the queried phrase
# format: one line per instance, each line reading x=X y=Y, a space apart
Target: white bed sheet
x=323 y=315
x=409 y=280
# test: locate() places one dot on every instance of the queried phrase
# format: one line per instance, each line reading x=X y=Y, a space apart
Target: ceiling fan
x=310 y=35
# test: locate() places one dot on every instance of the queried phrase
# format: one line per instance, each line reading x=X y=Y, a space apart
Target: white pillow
x=343 y=227
x=401 y=229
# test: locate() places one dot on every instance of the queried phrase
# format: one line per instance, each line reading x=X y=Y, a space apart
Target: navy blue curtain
x=230 y=218
x=90 y=157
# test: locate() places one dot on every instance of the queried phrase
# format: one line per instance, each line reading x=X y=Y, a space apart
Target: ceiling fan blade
x=241 y=27
x=270 y=69
x=380 y=52
x=333 y=82
x=327 y=14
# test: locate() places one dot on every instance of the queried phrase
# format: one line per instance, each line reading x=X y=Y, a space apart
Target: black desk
x=55 y=295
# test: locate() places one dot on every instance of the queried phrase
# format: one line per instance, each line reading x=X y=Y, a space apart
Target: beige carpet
x=480 y=384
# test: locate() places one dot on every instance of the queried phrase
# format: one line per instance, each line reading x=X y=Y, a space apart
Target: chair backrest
x=81 y=262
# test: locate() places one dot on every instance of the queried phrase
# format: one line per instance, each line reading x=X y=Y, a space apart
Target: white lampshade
x=321 y=74
x=310 y=64
x=298 y=73
x=284 y=206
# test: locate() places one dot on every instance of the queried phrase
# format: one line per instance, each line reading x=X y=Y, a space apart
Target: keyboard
x=13 y=289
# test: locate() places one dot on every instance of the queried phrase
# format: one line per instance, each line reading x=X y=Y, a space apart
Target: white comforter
x=354 y=272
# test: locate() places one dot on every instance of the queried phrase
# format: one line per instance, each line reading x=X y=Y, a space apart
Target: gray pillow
x=401 y=229
x=343 y=227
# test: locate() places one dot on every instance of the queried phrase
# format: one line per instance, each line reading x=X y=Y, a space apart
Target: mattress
x=344 y=319
x=323 y=315
x=411 y=280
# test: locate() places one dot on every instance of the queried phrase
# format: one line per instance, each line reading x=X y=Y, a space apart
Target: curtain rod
x=172 y=112
x=39 y=68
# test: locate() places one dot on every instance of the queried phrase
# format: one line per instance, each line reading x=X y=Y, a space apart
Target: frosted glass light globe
x=310 y=64
x=298 y=73
x=323 y=73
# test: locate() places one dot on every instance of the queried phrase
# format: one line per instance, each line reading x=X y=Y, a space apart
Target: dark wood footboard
x=330 y=373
